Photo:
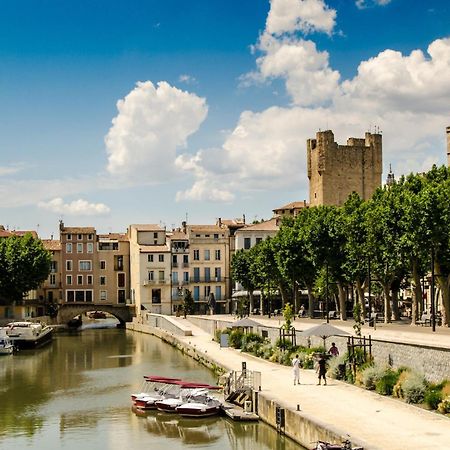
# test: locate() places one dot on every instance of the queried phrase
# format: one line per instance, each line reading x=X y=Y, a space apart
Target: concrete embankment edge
x=299 y=426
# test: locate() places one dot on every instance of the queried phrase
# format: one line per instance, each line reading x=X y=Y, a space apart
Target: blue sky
x=217 y=99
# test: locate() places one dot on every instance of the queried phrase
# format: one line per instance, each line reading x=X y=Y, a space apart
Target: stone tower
x=335 y=171
x=448 y=146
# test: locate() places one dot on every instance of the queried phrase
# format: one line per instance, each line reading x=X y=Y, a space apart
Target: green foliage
x=357 y=315
x=414 y=387
x=335 y=366
x=444 y=406
x=219 y=332
x=288 y=315
x=385 y=385
x=432 y=397
x=250 y=342
x=371 y=375
x=24 y=265
x=188 y=303
x=235 y=339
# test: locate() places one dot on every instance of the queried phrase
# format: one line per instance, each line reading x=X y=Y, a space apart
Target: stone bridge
x=67 y=311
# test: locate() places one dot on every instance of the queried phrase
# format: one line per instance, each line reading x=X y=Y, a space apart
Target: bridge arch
x=68 y=311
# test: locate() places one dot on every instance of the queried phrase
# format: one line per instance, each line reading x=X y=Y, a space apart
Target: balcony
x=153 y=282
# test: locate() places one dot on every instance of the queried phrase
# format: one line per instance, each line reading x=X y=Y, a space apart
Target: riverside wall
x=433 y=362
x=298 y=426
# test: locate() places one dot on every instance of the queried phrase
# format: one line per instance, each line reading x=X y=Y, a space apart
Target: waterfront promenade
x=370 y=419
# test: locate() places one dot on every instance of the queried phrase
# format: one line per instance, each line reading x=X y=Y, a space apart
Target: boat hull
x=208 y=411
x=32 y=342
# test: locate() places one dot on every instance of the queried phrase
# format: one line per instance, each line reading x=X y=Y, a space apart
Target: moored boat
x=189 y=392
x=6 y=345
x=199 y=409
x=24 y=334
x=164 y=388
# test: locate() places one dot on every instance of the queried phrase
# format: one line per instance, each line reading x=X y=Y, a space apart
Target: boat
x=150 y=384
x=76 y=322
x=189 y=392
x=346 y=445
x=24 y=334
x=6 y=345
x=97 y=315
x=204 y=405
x=163 y=388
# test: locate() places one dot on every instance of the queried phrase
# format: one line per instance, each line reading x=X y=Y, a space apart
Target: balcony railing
x=206 y=279
x=153 y=282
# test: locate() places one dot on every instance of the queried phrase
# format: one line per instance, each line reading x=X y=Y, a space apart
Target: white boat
x=202 y=405
x=24 y=334
x=6 y=345
x=190 y=392
x=164 y=388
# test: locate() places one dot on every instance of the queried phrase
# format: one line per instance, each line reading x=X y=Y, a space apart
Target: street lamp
x=326 y=294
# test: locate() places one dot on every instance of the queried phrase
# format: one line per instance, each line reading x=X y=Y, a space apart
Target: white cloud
x=407 y=96
x=78 y=207
x=307 y=16
x=152 y=123
x=362 y=4
x=187 y=79
x=309 y=78
x=10 y=170
x=391 y=81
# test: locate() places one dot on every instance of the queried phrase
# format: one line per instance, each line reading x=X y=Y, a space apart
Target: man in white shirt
x=296 y=370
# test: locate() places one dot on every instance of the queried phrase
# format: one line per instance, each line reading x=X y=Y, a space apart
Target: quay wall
x=298 y=426
x=431 y=361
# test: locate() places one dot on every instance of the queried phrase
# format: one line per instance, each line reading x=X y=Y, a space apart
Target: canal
x=75 y=394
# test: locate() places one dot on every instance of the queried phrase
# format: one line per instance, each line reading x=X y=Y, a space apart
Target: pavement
x=378 y=422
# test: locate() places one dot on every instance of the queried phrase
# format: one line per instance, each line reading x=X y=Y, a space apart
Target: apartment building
x=150 y=268
x=112 y=282
x=209 y=265
x=50 y=290
x=94 y=268
x=179 y=247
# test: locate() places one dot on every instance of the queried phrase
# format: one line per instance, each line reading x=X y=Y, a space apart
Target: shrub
x=385 y=385
x=219 y=331
x=398 y=389
x=306 y=360
x=434 y=394
x=371 y=375
x=444 y=406
x=335 y=367
x=235 y=340
x=414 y=387
x=250 y=342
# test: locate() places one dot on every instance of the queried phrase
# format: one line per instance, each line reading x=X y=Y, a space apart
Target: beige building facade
x=150 y=269
x=335 y=171
x=209 y=265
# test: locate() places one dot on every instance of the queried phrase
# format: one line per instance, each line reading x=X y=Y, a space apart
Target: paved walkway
x=378 y=422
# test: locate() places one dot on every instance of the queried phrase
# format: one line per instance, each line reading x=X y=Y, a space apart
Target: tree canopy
x=24 y=265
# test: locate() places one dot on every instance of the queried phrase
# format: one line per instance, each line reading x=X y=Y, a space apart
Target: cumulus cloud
x=407 y=96
x=307 y=16
x=78 y=207
x=309 y=78
x=152 y=123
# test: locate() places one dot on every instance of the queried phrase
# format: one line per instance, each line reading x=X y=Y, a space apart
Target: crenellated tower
x=335 y=171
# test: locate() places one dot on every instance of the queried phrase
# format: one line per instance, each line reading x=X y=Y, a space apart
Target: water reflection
x=76 y=393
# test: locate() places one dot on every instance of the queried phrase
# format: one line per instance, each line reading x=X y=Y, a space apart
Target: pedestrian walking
x=296 y=370
x=322 y=369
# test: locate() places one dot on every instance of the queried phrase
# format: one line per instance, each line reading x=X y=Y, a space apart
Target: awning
x=239 y=294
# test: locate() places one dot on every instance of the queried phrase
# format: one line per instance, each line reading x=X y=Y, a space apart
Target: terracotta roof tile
x=268 y=225
x=51 y=244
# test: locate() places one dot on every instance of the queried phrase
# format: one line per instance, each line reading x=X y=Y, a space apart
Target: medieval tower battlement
x=335 y=171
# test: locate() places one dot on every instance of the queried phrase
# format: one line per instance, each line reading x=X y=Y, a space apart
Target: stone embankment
x=333 y=412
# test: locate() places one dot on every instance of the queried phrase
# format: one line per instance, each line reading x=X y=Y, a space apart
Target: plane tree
x=24 y=265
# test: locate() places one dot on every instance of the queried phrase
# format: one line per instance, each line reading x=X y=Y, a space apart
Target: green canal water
x=75 y=394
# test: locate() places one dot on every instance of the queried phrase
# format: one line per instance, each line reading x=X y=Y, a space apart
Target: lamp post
x=326 y=294
x=433 y=312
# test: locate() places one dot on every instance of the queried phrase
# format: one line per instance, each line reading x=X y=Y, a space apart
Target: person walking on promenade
x=296 y=370
x=322 y=369
x=334 y=351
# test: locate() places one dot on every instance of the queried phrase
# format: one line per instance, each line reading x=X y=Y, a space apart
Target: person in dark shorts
x=322 y=369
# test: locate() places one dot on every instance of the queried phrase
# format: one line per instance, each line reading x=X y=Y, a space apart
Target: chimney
x=219 y=221
x=243 y=218
x=183 y=226
x=448 y=146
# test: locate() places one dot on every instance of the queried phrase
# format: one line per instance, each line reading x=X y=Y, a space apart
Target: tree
x=24 y=265
x=188 y=303
x=241 y=272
